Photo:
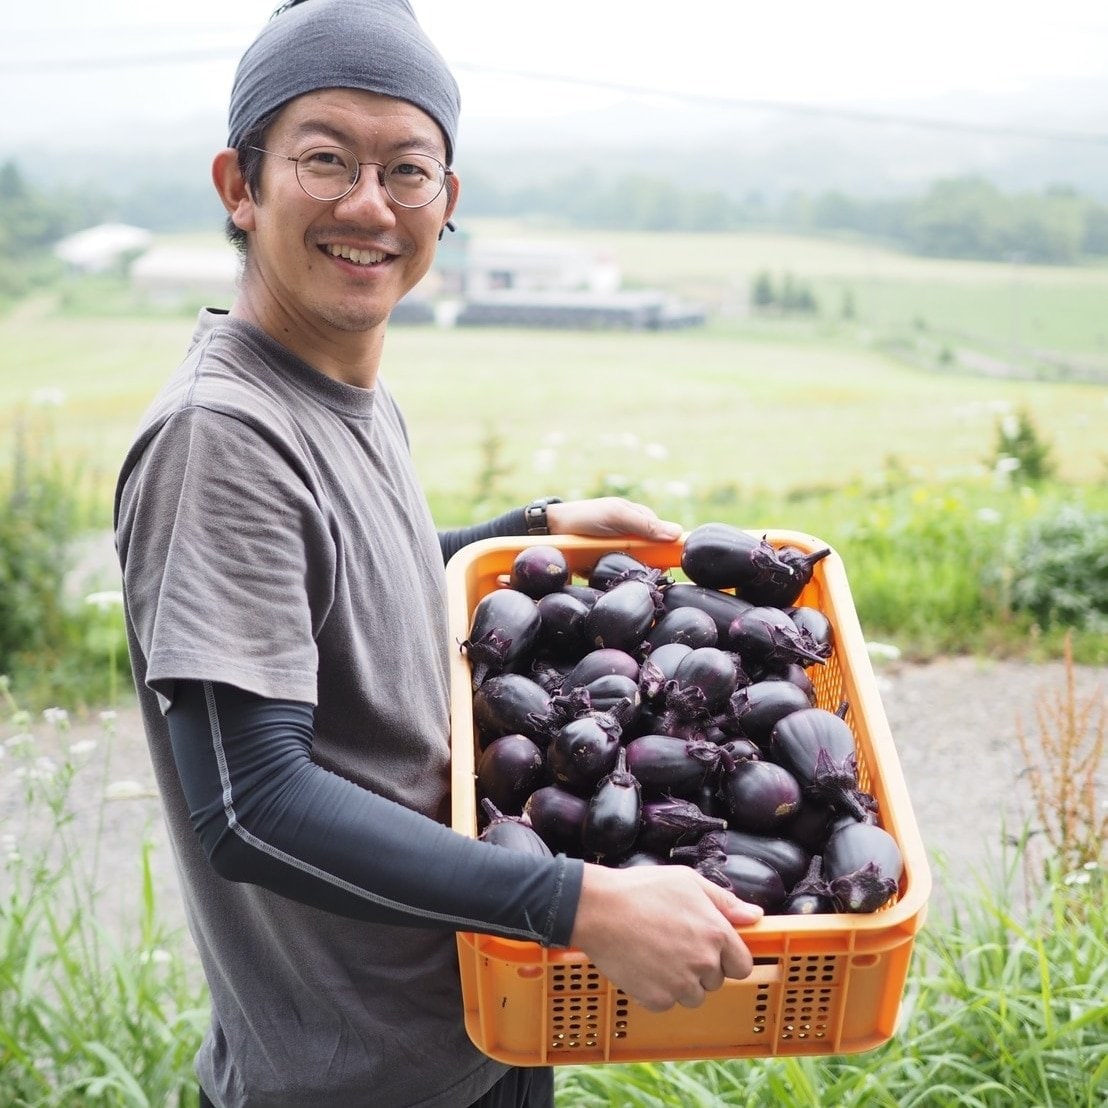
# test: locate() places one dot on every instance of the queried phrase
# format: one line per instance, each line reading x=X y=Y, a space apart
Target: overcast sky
x=72 y=65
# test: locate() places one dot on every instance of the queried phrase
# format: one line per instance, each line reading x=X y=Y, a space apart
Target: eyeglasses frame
x=446 y=172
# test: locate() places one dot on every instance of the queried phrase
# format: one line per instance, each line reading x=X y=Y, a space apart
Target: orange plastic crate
x=825 y=984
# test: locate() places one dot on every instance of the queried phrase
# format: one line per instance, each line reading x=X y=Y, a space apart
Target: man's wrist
x=534 y=515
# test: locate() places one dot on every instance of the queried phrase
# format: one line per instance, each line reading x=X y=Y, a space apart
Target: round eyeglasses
x=330 y=172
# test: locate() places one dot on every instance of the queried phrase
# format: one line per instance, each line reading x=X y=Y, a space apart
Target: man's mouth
x=354 y=255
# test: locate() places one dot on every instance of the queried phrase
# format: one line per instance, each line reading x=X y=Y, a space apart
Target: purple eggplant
x=598 y=663
x=862 y=865
x=511 y=832
x=702 y=683
x=509 y=771
x=670 y=821
x=614 y=813
x=787 y=857
x=818 y=748
x=584 y=750
x=623 y=616
x=760 y=796
x=510 y=703
x=768 y=637
x=795 y=674
x=781 y=592
x=617 y=566
x=721 y=606
x=692 y=626
x=557 y=817
x=538 y=570
x=755 y=710
x=666 y=765
x=659 y=666
x=816 y=625
x=609 y=691
x=719 y=556
x=810 y=824
x=811 y=895
x=749 y=878
x=505 y=624
x=585 y=593
x=562 y=628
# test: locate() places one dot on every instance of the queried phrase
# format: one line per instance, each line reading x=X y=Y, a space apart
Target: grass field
x=741 y=404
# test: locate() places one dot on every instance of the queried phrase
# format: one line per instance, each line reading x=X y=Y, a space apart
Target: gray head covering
x=375 y=45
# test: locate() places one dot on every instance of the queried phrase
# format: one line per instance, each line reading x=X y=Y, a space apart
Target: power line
x=787 y=107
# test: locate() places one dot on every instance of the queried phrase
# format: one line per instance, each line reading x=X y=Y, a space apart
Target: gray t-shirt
x=260 y=503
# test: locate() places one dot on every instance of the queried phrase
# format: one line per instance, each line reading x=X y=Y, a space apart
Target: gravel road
x=954 y=723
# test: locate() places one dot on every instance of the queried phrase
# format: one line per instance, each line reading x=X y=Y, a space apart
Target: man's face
x=299 y=259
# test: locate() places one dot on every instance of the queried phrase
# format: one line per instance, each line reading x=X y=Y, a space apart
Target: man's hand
x=609 y=516
x=665 y=935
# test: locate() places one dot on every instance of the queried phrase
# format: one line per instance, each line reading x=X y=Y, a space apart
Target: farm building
x=179 y=276
x=103 y=247
x=635 y=310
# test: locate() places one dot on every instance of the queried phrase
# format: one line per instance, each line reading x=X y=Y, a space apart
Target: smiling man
x=284 y=592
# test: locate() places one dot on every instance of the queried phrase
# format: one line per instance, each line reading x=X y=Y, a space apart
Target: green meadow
x=748 y=403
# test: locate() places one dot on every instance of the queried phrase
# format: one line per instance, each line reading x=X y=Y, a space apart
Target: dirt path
x=954 y=723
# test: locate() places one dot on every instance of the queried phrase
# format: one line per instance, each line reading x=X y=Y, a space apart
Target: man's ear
x=453 y=190
x=234 y=193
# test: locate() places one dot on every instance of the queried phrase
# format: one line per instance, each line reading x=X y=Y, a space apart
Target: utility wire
x=856 y=115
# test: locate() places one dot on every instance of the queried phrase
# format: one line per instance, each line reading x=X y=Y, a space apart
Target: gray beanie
x=375 y=45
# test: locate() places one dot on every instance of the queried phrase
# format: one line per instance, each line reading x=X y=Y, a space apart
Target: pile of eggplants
x=632 y=719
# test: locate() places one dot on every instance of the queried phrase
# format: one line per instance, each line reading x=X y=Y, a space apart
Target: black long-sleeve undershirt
x=510 y=523
x=267 y=814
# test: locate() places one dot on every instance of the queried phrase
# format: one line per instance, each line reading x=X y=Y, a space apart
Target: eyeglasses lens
x=329 y=173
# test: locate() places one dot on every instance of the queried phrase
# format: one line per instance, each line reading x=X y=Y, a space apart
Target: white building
x=101 y=248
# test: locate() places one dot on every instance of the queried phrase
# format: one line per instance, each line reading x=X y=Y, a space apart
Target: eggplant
x=768 y=637
x=614 y=812
x=689 y=625
x=659 y=666
x=795 y=674
x=787 y=857
x=704 y=680
x=810 y=895
x=723 y=607
x=509 y=771
x=512 y=832
x=670 y=821
x=862 y=865
x=557 y=817
x=753 y=711
x=782 y=592
x=509 y=703
x=585 y=593
x=810 y=824
x=597 y=663
x=616 y=566
x=583 y=751
x=666 y=765
x=750 y=879
x=504 y=626
x=719 y=556
x=623 y=616
x=816 y=625
x=818 y=748
x=607 y=692
x=562 y=628
x=538 y=570
x=760 y=796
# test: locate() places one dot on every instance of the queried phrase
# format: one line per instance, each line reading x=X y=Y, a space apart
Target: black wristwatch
x=534 y=515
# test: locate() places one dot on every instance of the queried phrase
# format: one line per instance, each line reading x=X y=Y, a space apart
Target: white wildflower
x=545 y=460
x=1010 y=426
x=21 y=741
x=157 y=957
x=1080 y=878
x=656 y=450
x=988 y=516
x=49 y=397
x=882 y=651
x=107 y=716
x=1005 y=465
x=44 y=769
x=82 y=746
x=681 y=490
x=126 y=790
x=56 y=717
x=105 y=601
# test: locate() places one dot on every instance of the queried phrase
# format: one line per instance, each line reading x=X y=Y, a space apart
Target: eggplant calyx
x=864 y=890
x=812 y=882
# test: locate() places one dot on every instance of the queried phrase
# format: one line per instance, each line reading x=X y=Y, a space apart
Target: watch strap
x=534 y=515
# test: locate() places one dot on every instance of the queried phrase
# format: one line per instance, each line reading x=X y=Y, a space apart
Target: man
x=285 y=611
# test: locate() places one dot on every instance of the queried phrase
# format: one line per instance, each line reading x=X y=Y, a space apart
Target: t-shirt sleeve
x=227 y=557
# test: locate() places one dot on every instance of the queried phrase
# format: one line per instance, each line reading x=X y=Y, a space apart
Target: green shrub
x=1056 y=569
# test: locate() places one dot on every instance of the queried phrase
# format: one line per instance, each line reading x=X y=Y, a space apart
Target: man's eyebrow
x=416 y=144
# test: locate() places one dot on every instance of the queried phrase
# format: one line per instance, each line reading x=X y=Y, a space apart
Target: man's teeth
x=352 y=254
